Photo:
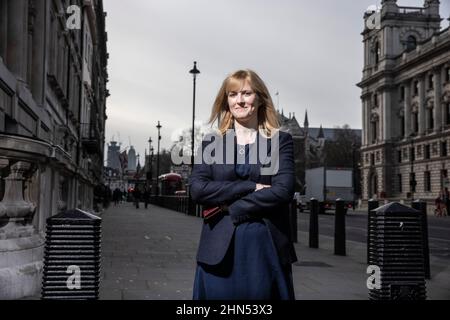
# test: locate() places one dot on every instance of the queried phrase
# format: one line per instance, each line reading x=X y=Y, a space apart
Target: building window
x=444 y=176
x=447 y=74
x=430 y=82
x=412 y=154
x=427 y=181
x=400 y=183
x=447 y=107
x=374 y=131
x=399 y=156
x=372 y=159
x=402 y=126
x=375 y=99
x=377 y=52
x=443 y=148
x=412 y=182
x=430 y=118
x=411 y=43
x=427 y=151
x=416 y=88
x=415 y=122
x=402 y=93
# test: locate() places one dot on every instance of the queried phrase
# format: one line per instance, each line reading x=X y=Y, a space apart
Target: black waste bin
x=397 y=249
x=72 y=256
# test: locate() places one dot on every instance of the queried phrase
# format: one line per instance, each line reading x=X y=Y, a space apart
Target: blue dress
x=251 y=269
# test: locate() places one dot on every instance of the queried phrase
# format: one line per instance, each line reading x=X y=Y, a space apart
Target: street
x=356 y=230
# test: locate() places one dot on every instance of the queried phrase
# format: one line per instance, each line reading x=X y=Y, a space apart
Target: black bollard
x=293 y=221
x=339 y=228
x=314 y=224
x=371 y=204
x=422 y=207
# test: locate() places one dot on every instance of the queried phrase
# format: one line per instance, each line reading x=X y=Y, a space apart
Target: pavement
x=149 y=254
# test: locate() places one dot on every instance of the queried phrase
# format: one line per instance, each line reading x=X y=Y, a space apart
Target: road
x=356 y=230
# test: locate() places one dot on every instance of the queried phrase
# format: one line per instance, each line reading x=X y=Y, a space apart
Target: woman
x=245 y=251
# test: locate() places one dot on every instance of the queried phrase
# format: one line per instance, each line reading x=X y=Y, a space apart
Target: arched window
x=411 y=43
x=377 y=52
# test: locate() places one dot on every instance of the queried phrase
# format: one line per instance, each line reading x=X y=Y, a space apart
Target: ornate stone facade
x=52 y=120
x=405 y=104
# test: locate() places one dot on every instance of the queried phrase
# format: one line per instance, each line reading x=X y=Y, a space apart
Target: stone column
x=387 y=114
x=3 y=28
x=364 y=122
x=408 y=122
x=17 y=52
x=21 y=249
x=438 y=121
x=38 y=52
x=422 y=109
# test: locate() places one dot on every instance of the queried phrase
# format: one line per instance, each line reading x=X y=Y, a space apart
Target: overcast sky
x=309 y=51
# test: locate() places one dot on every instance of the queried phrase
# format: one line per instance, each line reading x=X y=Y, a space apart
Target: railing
x=177 y=203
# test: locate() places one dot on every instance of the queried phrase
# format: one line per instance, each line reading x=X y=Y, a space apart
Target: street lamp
x=149 y=173
x=194 y=73
x=412 y=176
x=159 y=126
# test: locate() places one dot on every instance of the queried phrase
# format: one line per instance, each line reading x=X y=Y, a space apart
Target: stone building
x=405 y=103
x=53 y=75
x=309 y=144
x=113 y=158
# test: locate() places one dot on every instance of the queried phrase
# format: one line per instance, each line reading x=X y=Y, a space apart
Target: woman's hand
x=260 y=186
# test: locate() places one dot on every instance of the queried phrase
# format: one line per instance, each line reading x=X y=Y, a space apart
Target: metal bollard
x=314 y=224
x=339 y=228
x=372 y=205
x=72 y=256
x=397 y=254
x=422 y=207
x=293 y=221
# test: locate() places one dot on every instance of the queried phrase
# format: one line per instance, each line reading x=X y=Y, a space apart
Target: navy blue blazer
x=217 y=184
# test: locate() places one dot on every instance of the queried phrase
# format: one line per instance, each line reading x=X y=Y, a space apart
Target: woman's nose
x=240 y=98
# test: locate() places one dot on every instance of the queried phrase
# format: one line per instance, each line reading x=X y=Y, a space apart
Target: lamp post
x=149 y=173
x=412 y=177
x=159 y=126
x=194 y=73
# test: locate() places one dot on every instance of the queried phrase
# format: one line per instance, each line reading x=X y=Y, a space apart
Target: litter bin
x=397 y=250
x=72 y=256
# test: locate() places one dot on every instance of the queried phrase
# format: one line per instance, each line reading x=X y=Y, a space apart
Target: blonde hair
x=268 y=121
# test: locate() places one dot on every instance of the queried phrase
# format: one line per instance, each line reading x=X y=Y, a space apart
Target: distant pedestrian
x=441 y=204
x=137 y=196
x=146 y=195
x=116 y=196
x=446 y=200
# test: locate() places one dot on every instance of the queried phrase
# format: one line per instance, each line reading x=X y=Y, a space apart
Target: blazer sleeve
x=281 y=190
x=206 y=191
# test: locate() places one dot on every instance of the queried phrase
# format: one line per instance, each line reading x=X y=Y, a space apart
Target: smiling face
x=242 y=102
